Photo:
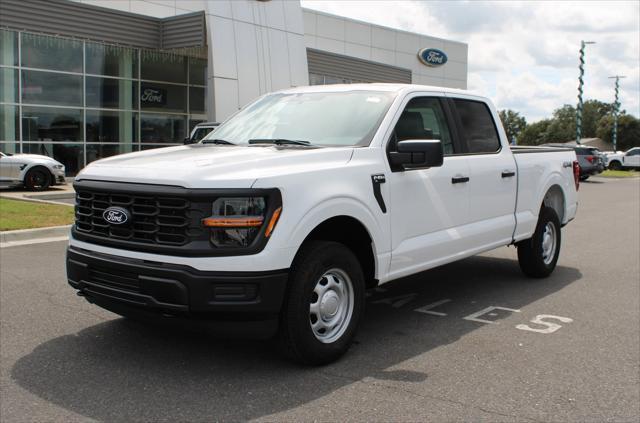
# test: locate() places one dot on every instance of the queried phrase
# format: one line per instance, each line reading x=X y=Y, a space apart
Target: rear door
x=492 y=175
x=427 y=206
x=632 y=158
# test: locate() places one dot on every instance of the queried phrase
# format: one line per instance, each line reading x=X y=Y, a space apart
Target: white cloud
x=524 y=55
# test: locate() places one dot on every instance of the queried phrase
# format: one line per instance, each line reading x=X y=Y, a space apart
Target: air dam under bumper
x=229 y=303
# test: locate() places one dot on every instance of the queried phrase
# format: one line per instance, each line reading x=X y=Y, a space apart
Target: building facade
x=83 y=80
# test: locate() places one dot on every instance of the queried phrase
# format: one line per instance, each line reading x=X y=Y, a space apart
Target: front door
x=427 y=205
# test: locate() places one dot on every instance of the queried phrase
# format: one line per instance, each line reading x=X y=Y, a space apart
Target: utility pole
x=580 y=84
x=616 y=109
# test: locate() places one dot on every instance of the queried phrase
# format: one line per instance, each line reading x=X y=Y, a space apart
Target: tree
x=535 y=133
x=513 y=123
x=628 y=131
x=563 y=125
x=592 y=112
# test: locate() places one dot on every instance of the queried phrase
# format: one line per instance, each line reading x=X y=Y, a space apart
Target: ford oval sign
x=116 y=215
x=432 y=57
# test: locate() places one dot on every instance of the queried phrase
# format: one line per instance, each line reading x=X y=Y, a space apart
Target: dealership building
x=83 y=80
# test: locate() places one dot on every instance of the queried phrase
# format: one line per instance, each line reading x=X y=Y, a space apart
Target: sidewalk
x=59 y=194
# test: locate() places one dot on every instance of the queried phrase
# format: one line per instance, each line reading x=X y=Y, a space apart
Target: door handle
x=508 y=173
x=459 y=179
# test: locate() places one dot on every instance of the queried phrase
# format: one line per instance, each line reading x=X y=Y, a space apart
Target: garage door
x=331 y=68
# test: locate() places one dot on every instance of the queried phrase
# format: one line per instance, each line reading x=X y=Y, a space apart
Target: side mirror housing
x=187 y=141
x=417 y=154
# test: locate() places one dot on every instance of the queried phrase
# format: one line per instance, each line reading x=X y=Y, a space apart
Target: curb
x=34 y=234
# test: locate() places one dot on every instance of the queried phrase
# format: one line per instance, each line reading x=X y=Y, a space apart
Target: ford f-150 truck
x=280 y=219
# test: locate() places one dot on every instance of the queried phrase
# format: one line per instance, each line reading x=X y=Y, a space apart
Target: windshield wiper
x=278 y=141
x=217 y=141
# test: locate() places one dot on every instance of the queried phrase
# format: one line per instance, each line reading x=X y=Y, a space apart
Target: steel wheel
x=548 y=243
x=331 y=305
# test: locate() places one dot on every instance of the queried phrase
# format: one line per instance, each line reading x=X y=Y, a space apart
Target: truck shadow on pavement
x=124 y=371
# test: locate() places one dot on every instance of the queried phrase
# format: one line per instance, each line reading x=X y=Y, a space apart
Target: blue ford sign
x=432 y=57
x=116 y=215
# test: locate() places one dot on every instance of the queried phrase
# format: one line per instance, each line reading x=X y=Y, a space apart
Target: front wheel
x=37 y=179
x=538 y=255
x=615 y=165
x=324 y=303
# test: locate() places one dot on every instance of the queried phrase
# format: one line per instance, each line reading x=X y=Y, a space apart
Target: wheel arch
x=555 y=198
x=354 y=234
x=27 y=169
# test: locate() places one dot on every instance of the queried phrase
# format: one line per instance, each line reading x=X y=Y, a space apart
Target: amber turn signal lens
x=273 y=221
x=233 y=222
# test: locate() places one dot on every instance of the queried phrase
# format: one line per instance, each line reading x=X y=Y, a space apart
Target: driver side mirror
x=417 y=154
x=188 y=141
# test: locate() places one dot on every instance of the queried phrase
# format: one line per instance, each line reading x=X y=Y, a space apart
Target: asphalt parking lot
x=473 y=341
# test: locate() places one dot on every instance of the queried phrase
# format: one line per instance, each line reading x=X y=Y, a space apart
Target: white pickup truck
x=279 y=220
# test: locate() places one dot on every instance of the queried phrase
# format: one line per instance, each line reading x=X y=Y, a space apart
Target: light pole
x=616 y=109
x=580 y=84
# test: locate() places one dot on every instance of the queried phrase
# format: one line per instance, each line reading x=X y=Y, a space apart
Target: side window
x=477 y=126
x=633 y=153
x=424 y=119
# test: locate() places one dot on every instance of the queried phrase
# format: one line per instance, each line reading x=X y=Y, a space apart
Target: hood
x=34 y=157
x=213 y=166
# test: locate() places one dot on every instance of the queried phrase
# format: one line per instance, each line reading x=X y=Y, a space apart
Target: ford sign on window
x=432 y=57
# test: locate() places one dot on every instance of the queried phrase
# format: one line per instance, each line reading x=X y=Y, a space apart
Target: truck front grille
x=154 y=219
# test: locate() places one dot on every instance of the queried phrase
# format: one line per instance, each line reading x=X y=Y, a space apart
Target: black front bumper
x=228 y=302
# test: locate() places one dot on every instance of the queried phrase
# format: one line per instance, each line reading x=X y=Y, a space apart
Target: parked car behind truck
x=31 y=171
x=279 y=220
x=624 y=160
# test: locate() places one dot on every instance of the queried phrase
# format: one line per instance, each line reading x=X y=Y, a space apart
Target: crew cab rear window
x=477 y=126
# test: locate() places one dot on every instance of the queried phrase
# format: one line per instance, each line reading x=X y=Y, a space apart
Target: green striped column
x=580 y=84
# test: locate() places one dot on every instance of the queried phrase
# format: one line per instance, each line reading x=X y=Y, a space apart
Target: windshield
x=322 y=118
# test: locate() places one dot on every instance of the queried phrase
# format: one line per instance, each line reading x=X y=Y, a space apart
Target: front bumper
x=225 y=302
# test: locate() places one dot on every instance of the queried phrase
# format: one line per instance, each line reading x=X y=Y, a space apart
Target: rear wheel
x=615 y=165
x=324 y=303
x=538 y=255
x=37 y=179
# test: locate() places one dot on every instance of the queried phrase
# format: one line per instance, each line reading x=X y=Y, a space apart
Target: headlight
x=235 y=222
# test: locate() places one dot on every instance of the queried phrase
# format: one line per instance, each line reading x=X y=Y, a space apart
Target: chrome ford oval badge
x=432 y=57
x=116 y=215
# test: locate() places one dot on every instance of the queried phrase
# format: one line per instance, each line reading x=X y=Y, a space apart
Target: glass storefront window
x=101 y=151
x=157 y=128
x=111 y=127
x=159 y=66
x=9 y=124
x=10 y=147
x=51 y=88
x=104 y=59
x=43 y=52
x=70 y=155
x=196 y=100
x=8 y=85
x=110 y=93
x=197 y=71
x=51 y=124
x=163 y=97
x=8 y=47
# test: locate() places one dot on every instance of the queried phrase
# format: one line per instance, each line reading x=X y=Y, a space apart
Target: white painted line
x=474 y=317
x=33 y=241
x=427 y=309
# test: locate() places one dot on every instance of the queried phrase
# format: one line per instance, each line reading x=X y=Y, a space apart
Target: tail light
x=591 y=159
x=576 y=174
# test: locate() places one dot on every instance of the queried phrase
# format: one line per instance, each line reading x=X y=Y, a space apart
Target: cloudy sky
x=524 y=55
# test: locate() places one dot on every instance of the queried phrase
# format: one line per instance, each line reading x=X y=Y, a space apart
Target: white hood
x=213 y=166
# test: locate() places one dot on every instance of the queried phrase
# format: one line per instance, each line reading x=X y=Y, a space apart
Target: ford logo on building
x=432 y=57
x=116 y=215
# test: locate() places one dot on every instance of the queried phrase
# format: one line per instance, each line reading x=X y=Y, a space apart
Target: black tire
x=37 y=179
x=615 y=165
x=531 y=254
x=296 y=334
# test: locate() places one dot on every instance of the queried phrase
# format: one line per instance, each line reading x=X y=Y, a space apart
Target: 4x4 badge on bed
x=116 y=215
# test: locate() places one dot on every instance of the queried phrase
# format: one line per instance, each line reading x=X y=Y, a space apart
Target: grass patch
x=619 y=174
x=15 y=214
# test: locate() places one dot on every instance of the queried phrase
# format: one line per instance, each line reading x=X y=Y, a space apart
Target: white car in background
x=33 y=171
x=620 y=160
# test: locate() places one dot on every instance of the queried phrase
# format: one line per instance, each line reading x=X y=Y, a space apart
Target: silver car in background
x=33 y=171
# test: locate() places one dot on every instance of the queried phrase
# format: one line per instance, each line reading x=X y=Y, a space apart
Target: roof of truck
x=377 y=87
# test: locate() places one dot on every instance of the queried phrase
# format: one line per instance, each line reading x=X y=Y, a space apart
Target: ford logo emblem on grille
x=116 y=215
